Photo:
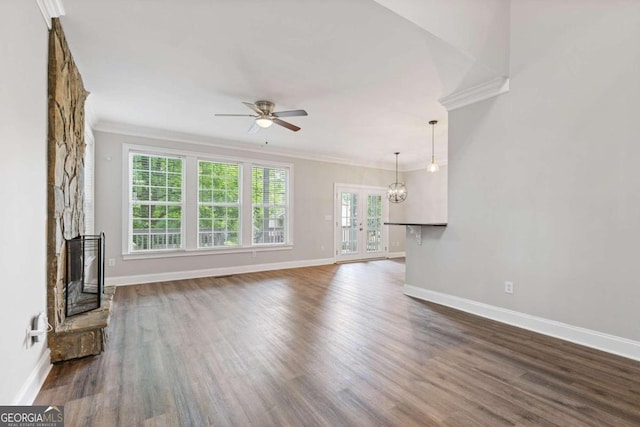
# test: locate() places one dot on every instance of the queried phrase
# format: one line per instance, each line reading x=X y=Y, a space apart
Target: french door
x=360 y=213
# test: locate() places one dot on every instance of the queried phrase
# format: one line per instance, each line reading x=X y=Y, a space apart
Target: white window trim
x=128 y=229
x=190 y=204
x=239 y=205
x=287 y=205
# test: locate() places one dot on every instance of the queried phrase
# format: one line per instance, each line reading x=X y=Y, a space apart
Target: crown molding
x=50 y=9
x=166 y=135
x=486 y=90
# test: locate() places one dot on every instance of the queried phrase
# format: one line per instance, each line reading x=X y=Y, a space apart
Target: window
x=155 y=202
x=374 y=223
x=218 y=204
x=270 y=200
x=181 y=203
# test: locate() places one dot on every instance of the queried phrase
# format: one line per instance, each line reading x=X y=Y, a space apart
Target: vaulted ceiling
x=369 y=73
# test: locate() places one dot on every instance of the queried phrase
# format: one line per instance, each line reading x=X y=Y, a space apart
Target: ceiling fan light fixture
x=264 y=122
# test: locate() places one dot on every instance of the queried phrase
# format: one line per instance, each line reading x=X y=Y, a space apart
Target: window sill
x=205 y=252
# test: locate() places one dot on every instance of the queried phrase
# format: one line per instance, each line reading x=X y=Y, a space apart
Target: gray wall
x=544 y=182
x=312 y=201
x=427 y=200
x=23 y=167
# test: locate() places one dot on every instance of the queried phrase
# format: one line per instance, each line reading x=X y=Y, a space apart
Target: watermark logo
x=31 y=416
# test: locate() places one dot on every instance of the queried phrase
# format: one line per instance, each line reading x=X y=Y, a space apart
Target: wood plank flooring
x=336 y=345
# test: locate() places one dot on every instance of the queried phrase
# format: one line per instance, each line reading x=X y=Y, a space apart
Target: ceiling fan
x=265 y=116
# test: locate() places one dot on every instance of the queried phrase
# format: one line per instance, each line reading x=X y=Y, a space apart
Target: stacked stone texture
x=66 y=148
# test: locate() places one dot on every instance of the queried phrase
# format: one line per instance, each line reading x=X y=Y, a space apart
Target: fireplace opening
x=85 y=274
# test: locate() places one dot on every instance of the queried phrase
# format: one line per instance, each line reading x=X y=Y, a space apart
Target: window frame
x=286 y=205
x=238 y=205
x=129 y=202
x=190 y=203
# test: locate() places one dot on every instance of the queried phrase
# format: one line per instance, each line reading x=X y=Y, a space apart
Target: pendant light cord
x=433 y=153
x=397 y=167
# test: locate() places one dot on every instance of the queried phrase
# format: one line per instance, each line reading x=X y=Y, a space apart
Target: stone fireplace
x=84 y=334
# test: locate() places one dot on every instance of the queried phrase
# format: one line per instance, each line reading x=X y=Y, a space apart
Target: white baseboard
x=31 y=387
x=396 y=255
x=598 y=340
x=210 y=272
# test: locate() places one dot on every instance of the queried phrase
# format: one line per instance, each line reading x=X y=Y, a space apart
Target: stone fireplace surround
x=84 y=334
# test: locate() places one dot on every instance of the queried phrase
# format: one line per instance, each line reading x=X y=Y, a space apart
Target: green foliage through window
x=218 y=204
x=159 y=216
x=156 y=202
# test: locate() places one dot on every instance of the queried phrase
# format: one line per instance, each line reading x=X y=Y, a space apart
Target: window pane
x=218 y=196
x=158 y=194
x=175 y=166
x=219 y=204
x=158 y=163
x=206 y=211
x=158 y=241
x=206 y=182
x=174 y=212
x=158 y=211
x=206 y=196
x=174 y=225
x=374 y=223
x=140 y=225
x=205 y=168
x=158 y=179
x=270 y=204
x=140 y=162
x=174 y=195
x=140 y=211
x=140 y=193
x=140 y=177
x=174 y=180
x=140 y=242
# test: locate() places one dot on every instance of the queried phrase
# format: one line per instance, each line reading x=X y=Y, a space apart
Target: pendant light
x=397 y=192
x=433 y=167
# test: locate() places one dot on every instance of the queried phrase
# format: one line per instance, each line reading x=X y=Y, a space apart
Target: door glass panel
x=374 y=223
x=349 y=223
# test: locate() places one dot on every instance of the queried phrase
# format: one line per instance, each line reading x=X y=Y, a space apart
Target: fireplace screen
x=85 y=274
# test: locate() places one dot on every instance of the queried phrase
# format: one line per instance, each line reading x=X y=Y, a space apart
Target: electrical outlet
x=322 y=248
x=253 y=254
x=111 y=262
x=508 y=287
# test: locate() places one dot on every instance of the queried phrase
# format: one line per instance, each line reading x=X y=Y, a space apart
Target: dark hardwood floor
x=333 y=345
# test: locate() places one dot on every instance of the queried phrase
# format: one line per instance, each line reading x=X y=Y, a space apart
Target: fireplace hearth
x=85 y=274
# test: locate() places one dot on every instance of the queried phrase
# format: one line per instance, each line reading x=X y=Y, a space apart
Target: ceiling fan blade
x=254 y=108
x=292 y=113
x=286 y=124
x=235 y=115
x=254 y=128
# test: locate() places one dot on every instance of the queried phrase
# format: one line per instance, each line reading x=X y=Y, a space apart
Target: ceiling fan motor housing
x=266 y=107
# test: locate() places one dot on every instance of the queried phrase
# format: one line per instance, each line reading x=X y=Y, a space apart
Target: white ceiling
x=366 y=76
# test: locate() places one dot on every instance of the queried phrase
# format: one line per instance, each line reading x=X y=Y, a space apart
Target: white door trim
x=385 y=218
